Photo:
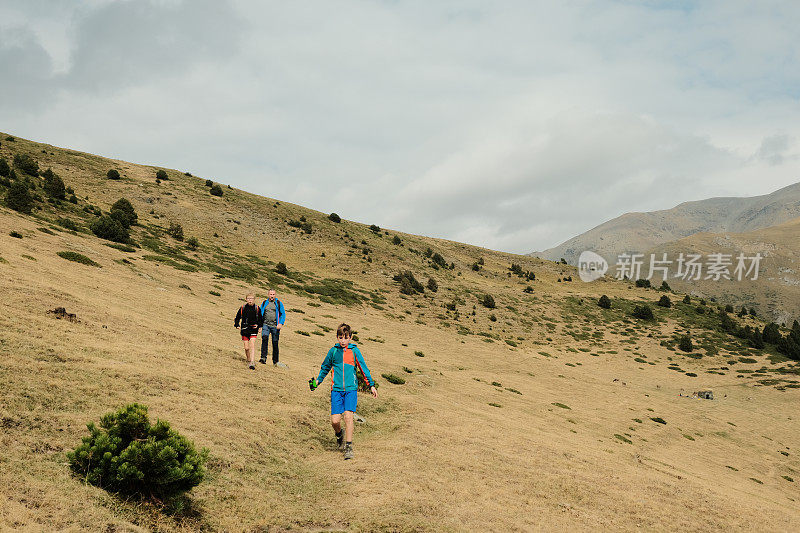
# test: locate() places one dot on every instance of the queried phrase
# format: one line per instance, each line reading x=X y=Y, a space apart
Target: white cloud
x=512 y=125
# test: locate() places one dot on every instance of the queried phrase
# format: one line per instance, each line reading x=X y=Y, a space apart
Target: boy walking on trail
x=251 y=322
x=343 y=358
x=274 y=315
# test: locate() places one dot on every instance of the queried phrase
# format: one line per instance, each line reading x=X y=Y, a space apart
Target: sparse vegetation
x=175 y=231
x=113 y=174
x=391 y=378
x=19 y=198
x=110 y=229
x=77 y=258
x=604 y=302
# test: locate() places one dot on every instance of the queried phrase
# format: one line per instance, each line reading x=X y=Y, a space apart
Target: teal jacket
x=343 y=362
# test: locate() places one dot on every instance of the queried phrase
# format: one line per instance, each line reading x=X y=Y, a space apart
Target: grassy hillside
x=543 y=412
x=776 y=292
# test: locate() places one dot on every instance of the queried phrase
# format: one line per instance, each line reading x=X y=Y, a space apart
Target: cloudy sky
x=513 y=125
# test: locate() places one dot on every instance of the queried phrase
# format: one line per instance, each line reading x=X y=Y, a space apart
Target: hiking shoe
x=281 y=365
x=262 y=361
x=340 y=441
x=252 y=366
x=348 y=451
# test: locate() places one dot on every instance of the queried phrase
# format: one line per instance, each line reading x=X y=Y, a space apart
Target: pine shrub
x=664 y=301
x=19 y=198
x=129 y=456
x=110 y=229
x=175 y=231
x=124 y=213
x=334 y=218
x=216 y=190
x=112 y=174
x=685 y=344
x=643 y=312
x=604 y=302
x=488 y=301
x=26 y=164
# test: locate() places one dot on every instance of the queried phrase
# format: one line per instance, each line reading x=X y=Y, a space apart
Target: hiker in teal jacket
x=343 y=358
x=274 y=317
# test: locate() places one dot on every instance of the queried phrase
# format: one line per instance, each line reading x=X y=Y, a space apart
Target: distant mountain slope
x=637 y=232
x=775 y=294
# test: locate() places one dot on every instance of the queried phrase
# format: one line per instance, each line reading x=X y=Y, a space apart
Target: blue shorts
x=343 y=401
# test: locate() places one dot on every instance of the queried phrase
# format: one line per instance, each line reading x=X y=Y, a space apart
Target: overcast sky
x=513 y=125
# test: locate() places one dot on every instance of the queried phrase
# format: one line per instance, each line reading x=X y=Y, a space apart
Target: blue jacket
x=280 y=313
x=343 y=362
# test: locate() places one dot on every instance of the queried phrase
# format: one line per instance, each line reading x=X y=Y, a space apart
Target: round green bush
x=128 y=455
x=19 y=197
x=665 y=301
x=110 y=229
x=215 y=190
x=335 y=218
x=124 y=213
x=685 y=344
x=643 y=312
x=112 y=174
x=604 y=302
x=162 y=175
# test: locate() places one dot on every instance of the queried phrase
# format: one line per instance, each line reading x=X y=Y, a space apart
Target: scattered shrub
x=112 y=174
x=301 y=224
x=493 y=317
x=476 y=267
x=643 y=312
x=53 y=185
x=408 y=283
x=685 y=344
x=128 y=455
x=78 y=258
x=561 y=405
x=175 y=231
x=214 y=293
x=488 y=301
x=26 y=164
x=110 y=229
x=729 y=308
x=643 y=283
x=124 y=213
x=192 y=243
x=5 y=170
x=374 y=229
x=658 y=420
x=215 y=190
x=333 y=217
x=19 y=198
x=391 y=378
x=604 y=302
x=664 y=301
x=433 y=286
x=209 y=183
x=281 y=269
x=665 y=286
x=15 y=234
x=396 y=240
x=67 y=223
x=419 y=354
x=162 y=175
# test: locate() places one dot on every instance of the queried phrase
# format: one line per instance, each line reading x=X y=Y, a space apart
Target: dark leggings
x=264 y=346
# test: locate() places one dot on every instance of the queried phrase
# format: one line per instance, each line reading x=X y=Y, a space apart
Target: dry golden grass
x=433 y=454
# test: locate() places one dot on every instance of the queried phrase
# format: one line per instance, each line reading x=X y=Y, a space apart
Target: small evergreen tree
x=374 y=228
x=687 y=300
x=665 y=286
x=128 y=455
x=665 y=301
x=209 y=183
x=771 y=333
x=645 y=283
x=112 y=174
x=192 y=243
x=26 y=164
x=643 y=312
x=5 y=170
x=124 y=213
x=215 y=190
x=604 y=302
x=729 y=308
x=19 y=198
x=396 y=240
x=175 y=231
x=685 y=344
x=488 y=301
x=110 y=229
x=281 y=269
x=162 y=175
x=333 y=217
x=432 y=285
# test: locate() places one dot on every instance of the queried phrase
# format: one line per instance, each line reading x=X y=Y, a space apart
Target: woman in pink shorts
x=249 y=315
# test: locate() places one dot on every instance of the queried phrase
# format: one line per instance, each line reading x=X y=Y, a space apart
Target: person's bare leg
x=336 y=422
x=246 y=349
x=348 y=426
x=252 y=357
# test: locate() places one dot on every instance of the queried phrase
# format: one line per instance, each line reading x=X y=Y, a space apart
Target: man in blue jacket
x=274 y=316
x=343 y=358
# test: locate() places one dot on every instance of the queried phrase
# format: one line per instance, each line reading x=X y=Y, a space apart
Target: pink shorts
x=248 y=337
